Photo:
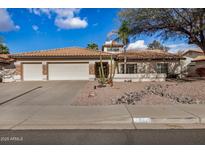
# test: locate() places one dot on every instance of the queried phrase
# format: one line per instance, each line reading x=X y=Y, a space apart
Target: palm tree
x=3 y=48
x=1 y=39
x=123 y=36
x=93 y=46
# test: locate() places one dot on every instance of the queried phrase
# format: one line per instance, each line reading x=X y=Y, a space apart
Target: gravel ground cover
x=145 y=93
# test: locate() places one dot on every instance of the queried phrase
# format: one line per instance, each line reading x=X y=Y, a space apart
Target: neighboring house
x=112 y=47
x=197 y=67
x=187 y=62
x=5 y=62
x=7 y=68
x=83 y=64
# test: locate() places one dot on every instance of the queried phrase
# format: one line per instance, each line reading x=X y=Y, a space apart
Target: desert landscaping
x=144 y=93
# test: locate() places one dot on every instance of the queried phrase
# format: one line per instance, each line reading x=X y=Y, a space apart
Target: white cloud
x=181 y=47
x=35 y=27
x=70 y=23
x=140 y=44
x=64 y=18
x=17 y=27
x=39 y=12
x=6 y=23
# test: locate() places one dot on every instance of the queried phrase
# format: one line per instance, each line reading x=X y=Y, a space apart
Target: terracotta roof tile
x=148 y=54
x=63 y=52
x=88 y=53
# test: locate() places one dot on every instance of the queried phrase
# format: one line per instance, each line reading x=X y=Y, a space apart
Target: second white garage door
x=68 y=71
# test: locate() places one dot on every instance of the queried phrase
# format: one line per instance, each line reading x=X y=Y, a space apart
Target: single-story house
x=58 y=64
x=83 y=64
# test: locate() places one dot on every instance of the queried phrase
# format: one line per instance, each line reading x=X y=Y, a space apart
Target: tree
x=168 y=23
x=93 y=46
x=157 y=45
x=1 y=40
x=3 y=48
x=123 y=34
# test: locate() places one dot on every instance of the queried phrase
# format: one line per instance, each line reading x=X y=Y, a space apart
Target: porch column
x=91 y=70
x=45 y=71
x=18 y=73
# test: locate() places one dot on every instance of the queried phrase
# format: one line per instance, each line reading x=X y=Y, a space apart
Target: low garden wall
x=140 y=77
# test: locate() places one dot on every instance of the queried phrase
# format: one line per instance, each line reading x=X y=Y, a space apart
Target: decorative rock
x=134 y=97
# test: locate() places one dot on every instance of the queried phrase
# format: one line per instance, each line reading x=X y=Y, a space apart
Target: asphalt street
x=103 y=137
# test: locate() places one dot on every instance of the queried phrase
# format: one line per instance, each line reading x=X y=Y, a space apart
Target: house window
x=162 y=68
x=130 y=68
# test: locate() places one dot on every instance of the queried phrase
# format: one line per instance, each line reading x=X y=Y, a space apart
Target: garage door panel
x=32 y=72
x=69 y=71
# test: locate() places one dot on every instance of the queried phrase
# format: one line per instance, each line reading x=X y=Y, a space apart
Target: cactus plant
x=102 y=79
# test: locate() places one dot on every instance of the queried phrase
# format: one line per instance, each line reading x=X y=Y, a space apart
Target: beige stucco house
x=83 y=64
x=58 y=64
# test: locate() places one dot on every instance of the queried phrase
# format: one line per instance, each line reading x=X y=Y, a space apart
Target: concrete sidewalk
x=102 y=117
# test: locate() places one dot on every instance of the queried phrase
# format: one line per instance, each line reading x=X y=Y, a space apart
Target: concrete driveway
x=20 y=101
x=39 y=93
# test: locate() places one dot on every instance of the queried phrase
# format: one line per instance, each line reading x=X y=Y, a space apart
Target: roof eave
x=60 y=57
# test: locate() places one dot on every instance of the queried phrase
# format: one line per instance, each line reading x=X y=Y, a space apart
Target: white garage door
x=68 y=71
x=32 y=72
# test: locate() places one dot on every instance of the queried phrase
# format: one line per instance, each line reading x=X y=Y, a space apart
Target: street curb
x=150 y=120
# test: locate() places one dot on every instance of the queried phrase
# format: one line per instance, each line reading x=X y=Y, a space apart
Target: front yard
x=145 y=93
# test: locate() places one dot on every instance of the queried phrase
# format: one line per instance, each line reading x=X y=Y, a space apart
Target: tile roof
x=88 y=53
x=148 y=54
x=63 y=52
x=199 y=58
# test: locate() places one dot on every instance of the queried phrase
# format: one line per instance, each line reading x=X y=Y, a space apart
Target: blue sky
x=39 y=29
